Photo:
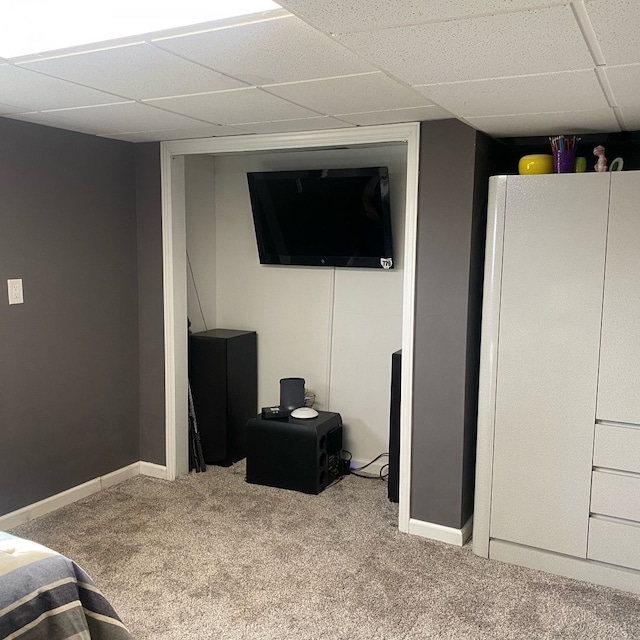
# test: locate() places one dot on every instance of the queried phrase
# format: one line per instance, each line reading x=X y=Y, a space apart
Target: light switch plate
x=14 y=288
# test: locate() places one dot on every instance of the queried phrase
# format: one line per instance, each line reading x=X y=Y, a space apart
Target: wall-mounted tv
x=323 y=217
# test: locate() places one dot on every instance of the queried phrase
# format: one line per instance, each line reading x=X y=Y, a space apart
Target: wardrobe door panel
x=547 y=365
x=619 y=384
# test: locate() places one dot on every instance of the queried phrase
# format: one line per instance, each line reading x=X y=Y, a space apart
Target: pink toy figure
x=601 y=165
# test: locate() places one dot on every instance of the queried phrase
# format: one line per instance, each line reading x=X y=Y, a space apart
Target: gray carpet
x=209 y=556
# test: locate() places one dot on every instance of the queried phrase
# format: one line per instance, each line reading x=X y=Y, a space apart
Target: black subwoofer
x=302 y=455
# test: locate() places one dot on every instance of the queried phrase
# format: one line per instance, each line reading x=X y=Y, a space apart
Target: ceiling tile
x=267 y=52
x=46 y=119
x=547 y=124
x=125 y=117
x=625 y=83
x=135 y=71
x=234 y=107
x=340 y=17
x=350 y=94
x=549 y=92
x=394 y=116
x=302 y=124
x=207 y=131
x=35 y=92
x=7 y=108
x=617 y=27
x=537 y=41
x=631 y=116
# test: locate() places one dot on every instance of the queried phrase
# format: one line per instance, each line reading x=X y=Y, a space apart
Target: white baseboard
x=153 y=470
x=439 y=532
x=31 y=511
x=119 y=475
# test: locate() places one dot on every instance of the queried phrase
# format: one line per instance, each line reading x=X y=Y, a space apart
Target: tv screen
x=323 y=217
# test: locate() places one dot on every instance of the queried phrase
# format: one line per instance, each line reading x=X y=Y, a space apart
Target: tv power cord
x=345 y=467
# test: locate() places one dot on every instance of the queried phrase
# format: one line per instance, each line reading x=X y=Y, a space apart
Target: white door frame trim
x=174 y=270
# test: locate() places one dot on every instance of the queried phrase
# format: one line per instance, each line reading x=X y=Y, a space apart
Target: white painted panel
x=579 y=569
x=287 y=306
x=367 y=329
x=616 y=494
x=488 y=370
x=619 y=382
x=201 y=237
x=552 y=279
x=614 y=542
x=293 y=309
x=617 y=447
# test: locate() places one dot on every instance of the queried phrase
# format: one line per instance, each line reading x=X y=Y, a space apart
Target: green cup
x=580 y=165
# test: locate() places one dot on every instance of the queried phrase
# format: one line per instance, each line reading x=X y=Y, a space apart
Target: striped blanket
x=45 y=596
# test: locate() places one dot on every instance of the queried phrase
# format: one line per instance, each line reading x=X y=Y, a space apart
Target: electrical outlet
x=15 y=291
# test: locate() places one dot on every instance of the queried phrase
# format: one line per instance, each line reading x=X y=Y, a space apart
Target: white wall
x=336 y=328
x=201 y=233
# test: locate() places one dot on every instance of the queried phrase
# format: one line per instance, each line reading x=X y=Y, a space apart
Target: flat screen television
x=323 y=217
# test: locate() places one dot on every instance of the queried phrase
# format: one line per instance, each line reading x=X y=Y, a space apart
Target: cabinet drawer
x=614 y=542
x=617 y=447
x=613 y=494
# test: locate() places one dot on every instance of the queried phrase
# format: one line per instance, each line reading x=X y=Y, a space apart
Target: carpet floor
x=210 y=556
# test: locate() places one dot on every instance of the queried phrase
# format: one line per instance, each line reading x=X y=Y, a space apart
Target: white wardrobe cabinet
x=560 y=373
x=618 y=388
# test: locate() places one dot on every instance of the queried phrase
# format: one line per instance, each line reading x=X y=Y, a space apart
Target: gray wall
x=69 y=355
x=151 y=306
x=454 y=167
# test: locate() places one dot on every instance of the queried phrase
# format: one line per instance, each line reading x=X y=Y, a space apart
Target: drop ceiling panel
x=46 y=119
x=340 y=17
x=125 y=117
x=303 y=124
x=528 y=42
x=7 y=108
x=617 y=27
x=631 y=116
x=625 y=83
x=234 y=107
x=34 y=92
x=271 y=51
x=393 y=116
x=549 y=92
x=351 y=94
x=207 y=131
x=135 y=71
x=547 y=124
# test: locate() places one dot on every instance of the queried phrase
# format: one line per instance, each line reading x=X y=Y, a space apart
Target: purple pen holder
x=563 y=161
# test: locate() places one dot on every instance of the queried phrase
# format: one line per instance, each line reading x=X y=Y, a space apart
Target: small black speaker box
x=291 y=393
x=302 y=455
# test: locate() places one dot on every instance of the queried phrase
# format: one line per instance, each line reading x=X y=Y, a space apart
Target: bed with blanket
x=45 y=596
